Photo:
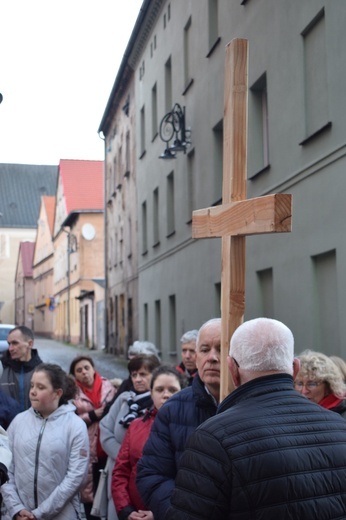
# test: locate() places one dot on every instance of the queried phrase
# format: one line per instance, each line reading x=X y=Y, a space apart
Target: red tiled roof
x=49 y=204
x=26 y=253
x=82 y=183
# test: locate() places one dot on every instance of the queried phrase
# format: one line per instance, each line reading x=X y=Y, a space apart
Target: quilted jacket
x=124 y=490
x=84 y=406
x=176 y=420
x=49 y=465
x=268 y=454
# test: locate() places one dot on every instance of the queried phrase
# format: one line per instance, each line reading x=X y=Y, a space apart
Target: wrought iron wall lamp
x=172 y=127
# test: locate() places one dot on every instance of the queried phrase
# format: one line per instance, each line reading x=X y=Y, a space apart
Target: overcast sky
x=58 y=63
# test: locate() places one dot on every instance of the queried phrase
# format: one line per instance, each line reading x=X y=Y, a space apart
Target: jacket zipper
x=37 y=457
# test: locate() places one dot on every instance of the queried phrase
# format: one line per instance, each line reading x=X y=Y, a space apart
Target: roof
x=82 y=183
x=49 y=204
x=26 y=253
x=21 y=189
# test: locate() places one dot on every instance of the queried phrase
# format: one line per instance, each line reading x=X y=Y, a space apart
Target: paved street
x=107 y=365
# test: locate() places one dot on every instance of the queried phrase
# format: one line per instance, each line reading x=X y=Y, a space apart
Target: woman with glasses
x=320 y=381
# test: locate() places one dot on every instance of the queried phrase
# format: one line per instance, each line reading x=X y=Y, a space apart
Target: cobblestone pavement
x=52 y=351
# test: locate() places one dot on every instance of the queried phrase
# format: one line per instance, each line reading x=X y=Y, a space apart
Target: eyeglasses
x=310 y=385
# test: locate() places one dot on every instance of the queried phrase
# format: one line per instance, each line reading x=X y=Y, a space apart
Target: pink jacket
x=84 y=406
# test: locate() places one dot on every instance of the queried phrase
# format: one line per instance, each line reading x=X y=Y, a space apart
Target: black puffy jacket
x=269 y=454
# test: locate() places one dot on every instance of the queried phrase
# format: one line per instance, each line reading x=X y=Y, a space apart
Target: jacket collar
x=255 y=387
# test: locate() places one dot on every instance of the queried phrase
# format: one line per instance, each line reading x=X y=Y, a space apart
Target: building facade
x=296 y=144
x=43 y=269
x=24 y=286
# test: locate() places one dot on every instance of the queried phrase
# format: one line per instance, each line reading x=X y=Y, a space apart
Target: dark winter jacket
x=8 y=409
x=16 y=377
x=176 y=420
x=268 y=454
x=190 y=375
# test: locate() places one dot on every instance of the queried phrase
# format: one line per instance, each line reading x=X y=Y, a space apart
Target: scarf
x=93 y=393
x=330 y=401
x=137 y=406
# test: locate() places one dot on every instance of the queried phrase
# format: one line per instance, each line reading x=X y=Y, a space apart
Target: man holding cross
x=269 y=452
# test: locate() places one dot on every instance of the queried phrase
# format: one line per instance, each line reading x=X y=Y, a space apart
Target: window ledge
x=190 y=83
x=262 y=170
x=323 y=128
x=211 y=50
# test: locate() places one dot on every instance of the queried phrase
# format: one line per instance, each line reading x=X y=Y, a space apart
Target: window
x=259 y=134
x=189 y=191
x=154 y=118
x=142 y=130
x=172 y=326
x=315 y=76
x=144 y=229
x=156 y=229
x=127 y=154
x=325 y=301
x=170 y=204
x=265 y=281
x=217 y=292
x=158 y=324
x=218 y=161
x=168 y=85
x=146 y=321
x=213 y=24
x=187 y=55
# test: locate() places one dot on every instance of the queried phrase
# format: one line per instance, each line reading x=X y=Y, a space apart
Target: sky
x=58 y=63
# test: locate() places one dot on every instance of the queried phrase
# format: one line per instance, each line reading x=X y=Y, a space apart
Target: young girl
x=165 y=382
x=50 y=448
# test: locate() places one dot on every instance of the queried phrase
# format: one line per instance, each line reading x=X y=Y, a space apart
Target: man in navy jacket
x=177 y=419
x=269 y=453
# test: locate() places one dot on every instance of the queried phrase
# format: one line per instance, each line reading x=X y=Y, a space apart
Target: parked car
x=4 y=330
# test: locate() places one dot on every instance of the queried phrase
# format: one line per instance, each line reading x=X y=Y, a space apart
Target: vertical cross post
x=237 y=216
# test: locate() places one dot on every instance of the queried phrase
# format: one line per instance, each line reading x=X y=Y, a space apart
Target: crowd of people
x=274 y=448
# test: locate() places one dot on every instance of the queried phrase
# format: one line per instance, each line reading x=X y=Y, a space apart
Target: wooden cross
x=237 y=216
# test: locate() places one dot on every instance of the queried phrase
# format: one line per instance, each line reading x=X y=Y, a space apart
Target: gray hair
x=263 y=345
x=317 y=366
x=143 y=347
x=211 y=322
x=190 y=335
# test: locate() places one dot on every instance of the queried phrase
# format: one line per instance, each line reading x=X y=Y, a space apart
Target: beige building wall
x=78 y=266
x=43 y=266
x=24 y=298
x=10 y=239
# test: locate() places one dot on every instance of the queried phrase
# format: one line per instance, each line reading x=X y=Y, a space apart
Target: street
x=107 y=365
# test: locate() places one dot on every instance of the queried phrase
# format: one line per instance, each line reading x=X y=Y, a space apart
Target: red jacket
x=124 y=490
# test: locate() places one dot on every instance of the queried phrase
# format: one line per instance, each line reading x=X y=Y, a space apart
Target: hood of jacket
x=26 y=366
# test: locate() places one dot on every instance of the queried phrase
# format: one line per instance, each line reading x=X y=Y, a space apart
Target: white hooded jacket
x=49 y=465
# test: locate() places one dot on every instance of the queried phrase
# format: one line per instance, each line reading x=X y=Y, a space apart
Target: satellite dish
x=88 y=231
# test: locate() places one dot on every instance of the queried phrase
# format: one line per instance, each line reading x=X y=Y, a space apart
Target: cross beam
x=238 y=216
